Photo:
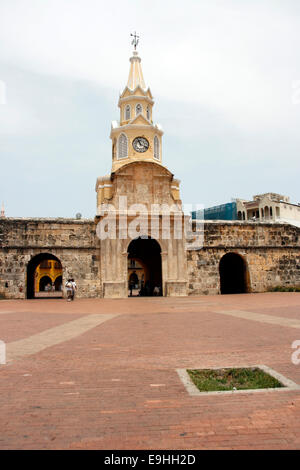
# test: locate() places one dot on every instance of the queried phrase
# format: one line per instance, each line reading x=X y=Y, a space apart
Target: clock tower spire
x=135 y=137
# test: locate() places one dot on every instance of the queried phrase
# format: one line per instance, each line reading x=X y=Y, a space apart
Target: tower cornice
x=155 y=128
x=127 y=99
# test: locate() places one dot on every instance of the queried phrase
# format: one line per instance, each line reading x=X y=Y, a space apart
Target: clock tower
x=135 y=137
x=137 y=194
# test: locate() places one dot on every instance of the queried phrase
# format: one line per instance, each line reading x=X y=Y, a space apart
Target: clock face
x=140 y=144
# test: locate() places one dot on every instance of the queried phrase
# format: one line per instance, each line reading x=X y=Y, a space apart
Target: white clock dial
x=140 y=144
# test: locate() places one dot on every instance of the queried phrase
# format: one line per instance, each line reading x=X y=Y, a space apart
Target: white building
x=269 y=207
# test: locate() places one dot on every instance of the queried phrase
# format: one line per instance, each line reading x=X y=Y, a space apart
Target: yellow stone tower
x=140 y=222
x=135 y=138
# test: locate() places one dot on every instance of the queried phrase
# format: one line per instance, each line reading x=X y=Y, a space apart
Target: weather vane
x=135 y=40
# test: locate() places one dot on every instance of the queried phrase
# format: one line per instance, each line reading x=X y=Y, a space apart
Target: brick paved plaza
x=101 y=373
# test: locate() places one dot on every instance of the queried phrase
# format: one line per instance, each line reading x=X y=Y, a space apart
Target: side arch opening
x=44 y=276
x=234 y=276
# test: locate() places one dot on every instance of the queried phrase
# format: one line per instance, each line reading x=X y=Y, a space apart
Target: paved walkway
x=290 y=322
x=52 y=336
x=100 y=373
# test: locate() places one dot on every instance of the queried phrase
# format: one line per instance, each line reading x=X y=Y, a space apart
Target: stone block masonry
x=271 y=253
x=73 y=242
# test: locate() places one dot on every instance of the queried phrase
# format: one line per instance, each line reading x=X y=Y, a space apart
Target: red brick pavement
x=116 y=387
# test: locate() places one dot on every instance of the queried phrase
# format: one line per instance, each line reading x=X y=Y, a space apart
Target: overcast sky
x=222 y=74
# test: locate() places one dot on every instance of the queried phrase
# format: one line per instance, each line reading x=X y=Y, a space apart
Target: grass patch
x=210 y=380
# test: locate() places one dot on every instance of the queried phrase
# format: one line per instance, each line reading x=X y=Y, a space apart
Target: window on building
x=138 y=109
x=122 y=146
x=127 y=112
x=156 y=147
x=271 y=212
x=148 y=113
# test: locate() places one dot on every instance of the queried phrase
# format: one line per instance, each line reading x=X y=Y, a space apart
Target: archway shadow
x=148 y=252
x=234 y=276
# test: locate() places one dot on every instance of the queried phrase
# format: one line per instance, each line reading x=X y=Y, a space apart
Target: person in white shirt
x=74 y=288
x=71 y=287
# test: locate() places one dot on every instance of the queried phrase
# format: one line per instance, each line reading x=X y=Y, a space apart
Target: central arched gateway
x=234 y=277
x=144 y=265
x=44 y=274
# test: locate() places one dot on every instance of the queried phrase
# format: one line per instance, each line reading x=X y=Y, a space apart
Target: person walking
x=74 y=288
x=70 y=286
x=156 y=291
x=131 y=287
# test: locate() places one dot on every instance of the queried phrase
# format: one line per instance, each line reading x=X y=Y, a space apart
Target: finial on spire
x=135 y=40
